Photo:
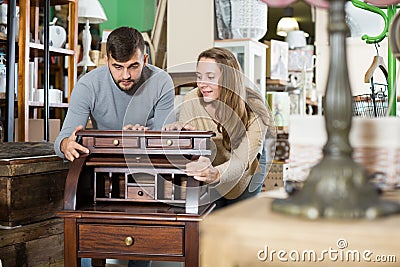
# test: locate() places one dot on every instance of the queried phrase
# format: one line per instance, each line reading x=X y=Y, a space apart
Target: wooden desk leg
x=192 y=196
x=192 y=244
x=70 y=243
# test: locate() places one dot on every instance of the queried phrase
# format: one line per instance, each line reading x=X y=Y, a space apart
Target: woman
x=238 y=115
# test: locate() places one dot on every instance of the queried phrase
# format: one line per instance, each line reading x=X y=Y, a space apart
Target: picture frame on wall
x=277 y=60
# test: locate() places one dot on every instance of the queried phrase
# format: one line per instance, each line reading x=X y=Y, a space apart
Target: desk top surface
x=147 y=211
x=147 y=133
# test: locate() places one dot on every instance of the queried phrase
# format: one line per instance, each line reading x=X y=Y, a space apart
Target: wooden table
x=117 y=206
x=250 y=234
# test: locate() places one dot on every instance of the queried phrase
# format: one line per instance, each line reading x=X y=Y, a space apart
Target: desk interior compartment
x=109 y=185
x=171 y=186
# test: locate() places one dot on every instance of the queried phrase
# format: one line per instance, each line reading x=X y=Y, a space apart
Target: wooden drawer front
x=116 y=142
x=137 y=192
x=169 y=143
x=149 y=240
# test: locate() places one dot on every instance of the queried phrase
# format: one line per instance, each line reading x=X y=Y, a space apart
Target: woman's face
x=208 y=75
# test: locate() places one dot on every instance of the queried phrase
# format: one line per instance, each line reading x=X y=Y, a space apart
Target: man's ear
x=145 y=59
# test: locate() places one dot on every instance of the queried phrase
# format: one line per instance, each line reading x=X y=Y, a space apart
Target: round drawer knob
x=129 y=241
x=115 y=142
x=169 y=142
x=140 y=193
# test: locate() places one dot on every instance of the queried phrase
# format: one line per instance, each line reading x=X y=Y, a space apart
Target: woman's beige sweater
x=236 y=167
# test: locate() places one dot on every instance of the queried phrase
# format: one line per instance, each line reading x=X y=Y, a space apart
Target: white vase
x=57 y=35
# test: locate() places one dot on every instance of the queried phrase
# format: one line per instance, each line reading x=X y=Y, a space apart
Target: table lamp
x=89 y=11
x=288 y=23
x=337 y=187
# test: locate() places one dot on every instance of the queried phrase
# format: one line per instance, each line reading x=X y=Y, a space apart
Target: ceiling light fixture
x=287 y=23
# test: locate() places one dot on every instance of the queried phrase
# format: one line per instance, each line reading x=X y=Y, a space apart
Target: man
x=127 y=93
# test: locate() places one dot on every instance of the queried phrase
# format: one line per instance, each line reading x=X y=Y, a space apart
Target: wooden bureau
x=129 y=198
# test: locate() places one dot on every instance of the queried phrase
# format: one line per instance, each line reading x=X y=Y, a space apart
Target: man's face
x=127 y=74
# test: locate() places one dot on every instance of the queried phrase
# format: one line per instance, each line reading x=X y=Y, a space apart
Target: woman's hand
x=178 y=126
x=202 y=170
x=136 y=127
x=71 y=148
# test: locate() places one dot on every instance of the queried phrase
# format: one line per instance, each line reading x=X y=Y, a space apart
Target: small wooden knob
x=129 y=241
x=115 y=142
x=169 y=142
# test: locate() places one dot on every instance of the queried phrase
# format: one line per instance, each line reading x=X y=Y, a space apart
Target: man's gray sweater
x=150 y=103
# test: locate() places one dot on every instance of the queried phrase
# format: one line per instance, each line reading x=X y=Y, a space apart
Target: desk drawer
x=140 y=193
x=149 y=240
x=116 y=142
x=169 y=143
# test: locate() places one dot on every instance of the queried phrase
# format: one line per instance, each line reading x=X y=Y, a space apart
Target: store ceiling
x=302 y=13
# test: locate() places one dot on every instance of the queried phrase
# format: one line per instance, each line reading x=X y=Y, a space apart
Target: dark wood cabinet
x=32 y=180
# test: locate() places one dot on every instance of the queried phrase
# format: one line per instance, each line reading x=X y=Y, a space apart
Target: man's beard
x=132 y=84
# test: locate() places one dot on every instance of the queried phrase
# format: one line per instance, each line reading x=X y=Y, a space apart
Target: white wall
x=359 y=55
x=190 y=30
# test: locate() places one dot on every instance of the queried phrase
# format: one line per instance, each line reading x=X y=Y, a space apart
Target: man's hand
x=71 y=148
x=178 y=126
x=136 y=127
x=202 y=170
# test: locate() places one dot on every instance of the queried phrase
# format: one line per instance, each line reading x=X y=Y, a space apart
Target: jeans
x=133 y=263
x=86 y=262
x=252 y=189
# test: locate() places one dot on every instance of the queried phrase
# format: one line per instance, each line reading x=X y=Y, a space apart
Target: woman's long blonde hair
x=236 y=102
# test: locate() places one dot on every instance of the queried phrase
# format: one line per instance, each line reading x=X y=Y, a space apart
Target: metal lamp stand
x=337 y=187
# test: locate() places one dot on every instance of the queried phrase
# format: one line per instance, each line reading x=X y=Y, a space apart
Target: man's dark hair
x=123 y=42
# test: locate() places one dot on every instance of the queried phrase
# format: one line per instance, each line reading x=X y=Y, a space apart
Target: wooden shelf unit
x=29 y=24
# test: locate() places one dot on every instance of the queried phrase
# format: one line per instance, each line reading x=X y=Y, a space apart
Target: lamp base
x=336 y=188
x=86 y=42
x=86 y=61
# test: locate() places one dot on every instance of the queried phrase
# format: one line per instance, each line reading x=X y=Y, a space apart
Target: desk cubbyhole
x=109 y=185
x=171 y=186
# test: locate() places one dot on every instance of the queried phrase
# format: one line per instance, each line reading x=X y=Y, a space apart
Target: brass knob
x=169 y=142
x=115 y=142
x=129 y=241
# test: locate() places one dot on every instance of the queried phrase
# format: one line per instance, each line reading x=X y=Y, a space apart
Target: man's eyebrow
x=117 y=65
x=131 y=65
